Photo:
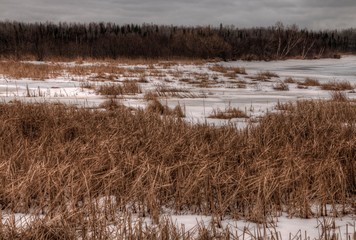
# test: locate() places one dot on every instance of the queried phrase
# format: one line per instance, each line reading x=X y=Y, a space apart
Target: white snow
x=255 y=99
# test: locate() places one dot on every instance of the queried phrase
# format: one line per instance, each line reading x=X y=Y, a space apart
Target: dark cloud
x=306 y=13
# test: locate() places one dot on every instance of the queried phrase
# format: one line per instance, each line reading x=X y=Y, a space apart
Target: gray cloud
x=306 y=13
x=330 y=3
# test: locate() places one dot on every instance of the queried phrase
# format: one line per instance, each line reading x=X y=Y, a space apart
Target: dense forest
x=106 y=40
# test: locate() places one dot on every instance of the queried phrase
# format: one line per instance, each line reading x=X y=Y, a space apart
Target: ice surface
x=255 y=99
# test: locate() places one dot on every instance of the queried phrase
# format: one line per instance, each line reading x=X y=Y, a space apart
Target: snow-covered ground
x=219 y=92
x=280 y=227
x=255 y=98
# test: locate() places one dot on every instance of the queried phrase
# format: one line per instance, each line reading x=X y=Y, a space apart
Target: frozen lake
x=323 y=69
x=221 y=90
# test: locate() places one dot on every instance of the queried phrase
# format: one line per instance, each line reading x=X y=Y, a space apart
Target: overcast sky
x=313 y=14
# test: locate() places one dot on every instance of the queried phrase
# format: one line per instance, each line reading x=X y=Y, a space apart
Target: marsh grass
x=111 y=89
x=269 y=74
x=155 y=106
x=87 y=85
x=281 y=86
x=310 y=82
x=60 y=162
x=162 y=89
x=284 y=106
x=100 y=71
x=264 y=76
x=228 y=71
x=239 y=70
x=339 y=96
x=289 y=80
x=115 y=89
x=167 y=91
x=111 y=104
x=230 y=75
x=218 y=68
x=19 y=70
x=228 y=113
x=201 y=80
x=337 y=86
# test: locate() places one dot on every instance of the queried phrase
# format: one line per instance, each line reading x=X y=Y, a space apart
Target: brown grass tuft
x=19 y=70
x=228 y=70
x=264 y=76
x=337 y=86
x=111 y=104
x=339 y=96
x=269 y=74
x=111 y=89
x=155 y=106
x=115 y=89
x=281 y=86
x=218 y=68
x=228 y=113
x=310 y=82
x=87 y=85
x=166 y=91
x=239 y=70
x=290 y=80
x=131 y=87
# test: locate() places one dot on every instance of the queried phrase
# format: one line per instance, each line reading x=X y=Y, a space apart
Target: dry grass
x=59 y=161
x=269 y=74
x=163 y=91
x=155 y=106
x=111 y=104
x=337 y=86
x=310 y=82
x=230 y=75
x=87 y=85
x=104 y=71
x=96 y=71
x=228 y=113
x=131 y=87
x=264 y=76
x=338 y=96
x=284 y=106
x=115 y=89
x=239 y=83
x=111 y=89
x=239 y=70
x=19 y=70
x=281 y=86
x=228 y=71
x=232 y=71
x=167 y=91
x=219 y=68
x=142 y=79
x=201 y=80
x=290 y=80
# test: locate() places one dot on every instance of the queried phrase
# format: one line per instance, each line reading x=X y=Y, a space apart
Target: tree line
x=108 y=40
